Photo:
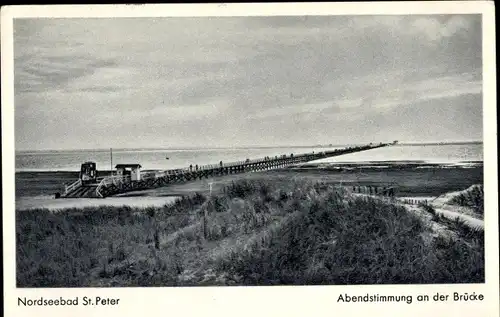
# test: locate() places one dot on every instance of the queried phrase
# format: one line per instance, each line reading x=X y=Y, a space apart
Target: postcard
x=264 y=159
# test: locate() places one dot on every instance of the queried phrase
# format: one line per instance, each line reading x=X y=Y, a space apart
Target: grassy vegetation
x=334 y=240
x=473 y=197
x=429 y=209
x=457 y=225
x=254 y=232
x=79 y=247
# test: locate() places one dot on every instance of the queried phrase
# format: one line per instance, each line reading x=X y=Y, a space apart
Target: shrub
x=473 y=197
x=257 y=233
x=359 y=241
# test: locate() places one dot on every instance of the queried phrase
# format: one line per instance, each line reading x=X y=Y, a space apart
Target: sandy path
x=451 y=212
x=440 y=206
x=448 y=212
x=452 y=215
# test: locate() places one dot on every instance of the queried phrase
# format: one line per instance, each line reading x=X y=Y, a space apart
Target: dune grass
x=472 y=197
x=68 y=247
x=334 y=240
x=457 y=225
x=254 y=232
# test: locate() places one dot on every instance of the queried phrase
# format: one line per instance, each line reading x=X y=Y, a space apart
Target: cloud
x=447 y=86
x=435 y=30
x=251 y=79
x=40 y=74
x=292 y=110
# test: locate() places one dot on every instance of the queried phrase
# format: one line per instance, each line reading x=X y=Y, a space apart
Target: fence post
x=157 y=239
x=205 y=214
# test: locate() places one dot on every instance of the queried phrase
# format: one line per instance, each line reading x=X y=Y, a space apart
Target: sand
x=36 y=190
x=52 y=204
x=451 y=212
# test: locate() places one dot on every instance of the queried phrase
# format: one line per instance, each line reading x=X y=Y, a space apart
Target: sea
x=33 y=195
x=468 y=154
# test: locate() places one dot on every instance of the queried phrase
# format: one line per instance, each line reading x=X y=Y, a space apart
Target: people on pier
x=391 y=192
x=220 y=163
x=196 y=166
x=191 y=167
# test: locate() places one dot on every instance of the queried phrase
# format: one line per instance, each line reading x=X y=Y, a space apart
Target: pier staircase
x=114 y=185
x=80 y=190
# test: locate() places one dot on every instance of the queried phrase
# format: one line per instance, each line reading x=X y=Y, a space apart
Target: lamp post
x=111 y=161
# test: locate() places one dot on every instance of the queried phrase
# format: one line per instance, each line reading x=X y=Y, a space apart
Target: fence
x=375 y=190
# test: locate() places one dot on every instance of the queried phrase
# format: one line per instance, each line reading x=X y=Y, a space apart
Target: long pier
x=114 y=185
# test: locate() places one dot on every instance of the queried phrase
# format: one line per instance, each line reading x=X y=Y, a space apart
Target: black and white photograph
x=249 y=150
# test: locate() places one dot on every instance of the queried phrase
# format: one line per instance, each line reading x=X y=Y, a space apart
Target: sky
x=246 y=81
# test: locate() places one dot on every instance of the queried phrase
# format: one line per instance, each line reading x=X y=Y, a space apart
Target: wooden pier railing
x=113 y=185
x=70 y=188
x=116 y=181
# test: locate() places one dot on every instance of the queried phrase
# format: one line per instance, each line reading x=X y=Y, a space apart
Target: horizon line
x=251 y=146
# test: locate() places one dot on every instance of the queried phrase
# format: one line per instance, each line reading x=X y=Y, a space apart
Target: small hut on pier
x=132 y=170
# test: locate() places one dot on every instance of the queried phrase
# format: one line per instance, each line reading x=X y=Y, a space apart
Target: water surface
x=171 y=159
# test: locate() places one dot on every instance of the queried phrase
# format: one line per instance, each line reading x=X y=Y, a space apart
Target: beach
x=174 y=157
x=284 y=227
x=37 y=189
x=414 y=170
x=234 y=229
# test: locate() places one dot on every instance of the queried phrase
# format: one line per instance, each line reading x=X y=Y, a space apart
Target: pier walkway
x=113 y=185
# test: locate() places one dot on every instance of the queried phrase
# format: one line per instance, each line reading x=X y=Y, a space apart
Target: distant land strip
x=246 y=147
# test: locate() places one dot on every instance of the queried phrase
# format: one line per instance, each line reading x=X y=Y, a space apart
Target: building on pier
x=129 y=178
x=132 y=170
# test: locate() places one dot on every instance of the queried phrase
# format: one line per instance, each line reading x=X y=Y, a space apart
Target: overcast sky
x=183 y=82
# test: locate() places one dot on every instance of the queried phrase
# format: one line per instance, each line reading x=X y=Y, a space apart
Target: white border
x=257 y=301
